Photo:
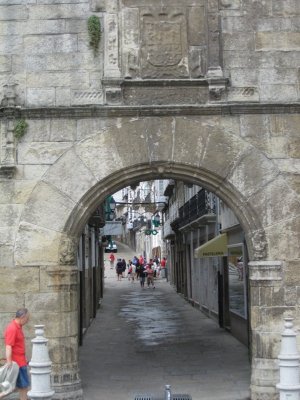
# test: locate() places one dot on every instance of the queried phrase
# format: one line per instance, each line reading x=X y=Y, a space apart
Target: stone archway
x=205 y=151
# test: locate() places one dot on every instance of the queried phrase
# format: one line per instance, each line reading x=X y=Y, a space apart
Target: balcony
x=168 y=232
x=200 y=210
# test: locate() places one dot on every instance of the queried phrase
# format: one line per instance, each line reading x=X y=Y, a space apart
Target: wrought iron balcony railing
x=201 y=204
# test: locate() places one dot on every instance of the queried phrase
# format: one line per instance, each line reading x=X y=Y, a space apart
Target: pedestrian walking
x=112 y=260
x=141 y=260
x=150 y=274
x=142 y=276
x=129 y=269
x=163 y=265
x=156 y=269
x=119 y=269
x=135 y=261
x=124 y=268
x=133 y=273
x=15 y=349
x=156 y=260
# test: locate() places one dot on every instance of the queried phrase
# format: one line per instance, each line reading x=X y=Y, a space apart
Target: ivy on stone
x=20 y=128
x=94 y=29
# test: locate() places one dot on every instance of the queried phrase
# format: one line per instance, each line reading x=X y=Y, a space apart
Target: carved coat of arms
x=162 y=41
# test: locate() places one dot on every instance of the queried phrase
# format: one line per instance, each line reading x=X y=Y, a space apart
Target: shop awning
x=216 y=247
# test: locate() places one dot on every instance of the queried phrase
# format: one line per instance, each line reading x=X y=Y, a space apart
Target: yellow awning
x=216 y=247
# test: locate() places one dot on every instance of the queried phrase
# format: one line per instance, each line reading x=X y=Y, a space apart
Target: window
x=236 y=280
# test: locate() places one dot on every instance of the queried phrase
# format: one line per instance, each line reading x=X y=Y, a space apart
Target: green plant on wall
x=94 y=29
x=20 y=128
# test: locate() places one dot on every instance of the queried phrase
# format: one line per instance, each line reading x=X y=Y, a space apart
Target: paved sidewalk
x=143 y=339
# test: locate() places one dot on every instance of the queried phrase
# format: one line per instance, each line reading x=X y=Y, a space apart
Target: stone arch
x=198 y=151
x=164 y=170
x=202 y=150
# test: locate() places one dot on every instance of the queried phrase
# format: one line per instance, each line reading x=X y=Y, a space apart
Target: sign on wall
x=113 y=228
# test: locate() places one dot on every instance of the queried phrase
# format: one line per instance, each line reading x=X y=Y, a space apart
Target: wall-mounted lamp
x=110 y=208
x=112 y=204
x=156 y=220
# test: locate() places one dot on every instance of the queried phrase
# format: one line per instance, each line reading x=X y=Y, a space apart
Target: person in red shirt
x=112 y=260
x=163 y=263
x=163 y=268
x=141 y=260
x=15 y=349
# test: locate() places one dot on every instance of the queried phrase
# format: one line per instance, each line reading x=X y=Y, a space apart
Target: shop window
x=236 y=280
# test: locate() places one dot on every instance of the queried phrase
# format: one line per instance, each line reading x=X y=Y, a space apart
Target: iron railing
x=202 y=203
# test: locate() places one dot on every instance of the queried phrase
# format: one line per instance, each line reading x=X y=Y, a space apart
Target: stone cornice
x=95 y=111
x=167 y=82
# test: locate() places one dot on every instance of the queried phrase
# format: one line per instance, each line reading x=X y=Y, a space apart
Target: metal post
x=289 y=385
x=40 y=367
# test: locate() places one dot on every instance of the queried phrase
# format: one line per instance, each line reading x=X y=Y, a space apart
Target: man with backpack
x=135 y=262
x=119 y=269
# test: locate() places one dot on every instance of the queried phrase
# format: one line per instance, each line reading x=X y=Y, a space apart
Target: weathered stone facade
x=204 y=91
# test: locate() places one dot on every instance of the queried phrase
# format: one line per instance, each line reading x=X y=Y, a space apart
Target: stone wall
x=244 y=51
x=207 y=91
x=64 y=166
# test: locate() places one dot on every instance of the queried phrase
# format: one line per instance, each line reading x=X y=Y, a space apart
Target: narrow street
x=145 y=338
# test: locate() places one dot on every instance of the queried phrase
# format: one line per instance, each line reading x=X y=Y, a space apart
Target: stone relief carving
x=131 y=65
x=163 y=40
x=67 y=253
x=10 y=93
x=111 y=65
x=9 y=153
x=264 y=396
x=217 y=84
x=216 y=92
x=7 y=139
x=87 y=97
x=164 y=48
x=196 y=63
x=169 y=43
x=259 y=245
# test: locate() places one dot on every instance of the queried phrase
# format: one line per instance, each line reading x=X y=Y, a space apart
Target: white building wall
x=227 y=218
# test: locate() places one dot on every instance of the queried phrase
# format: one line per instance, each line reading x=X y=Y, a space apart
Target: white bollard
x=40 y=367
x=168 y=393
x=289 y=385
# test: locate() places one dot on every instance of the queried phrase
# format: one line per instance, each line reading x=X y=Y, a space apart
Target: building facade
x=204 y=91
x=210 y=273
x=140 y=204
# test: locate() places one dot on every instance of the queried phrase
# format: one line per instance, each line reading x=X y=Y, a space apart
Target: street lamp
x=110 y=208
x=112 y=204
x=156 y=220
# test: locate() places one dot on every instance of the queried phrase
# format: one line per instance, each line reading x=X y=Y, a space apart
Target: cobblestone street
x=143 y=339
